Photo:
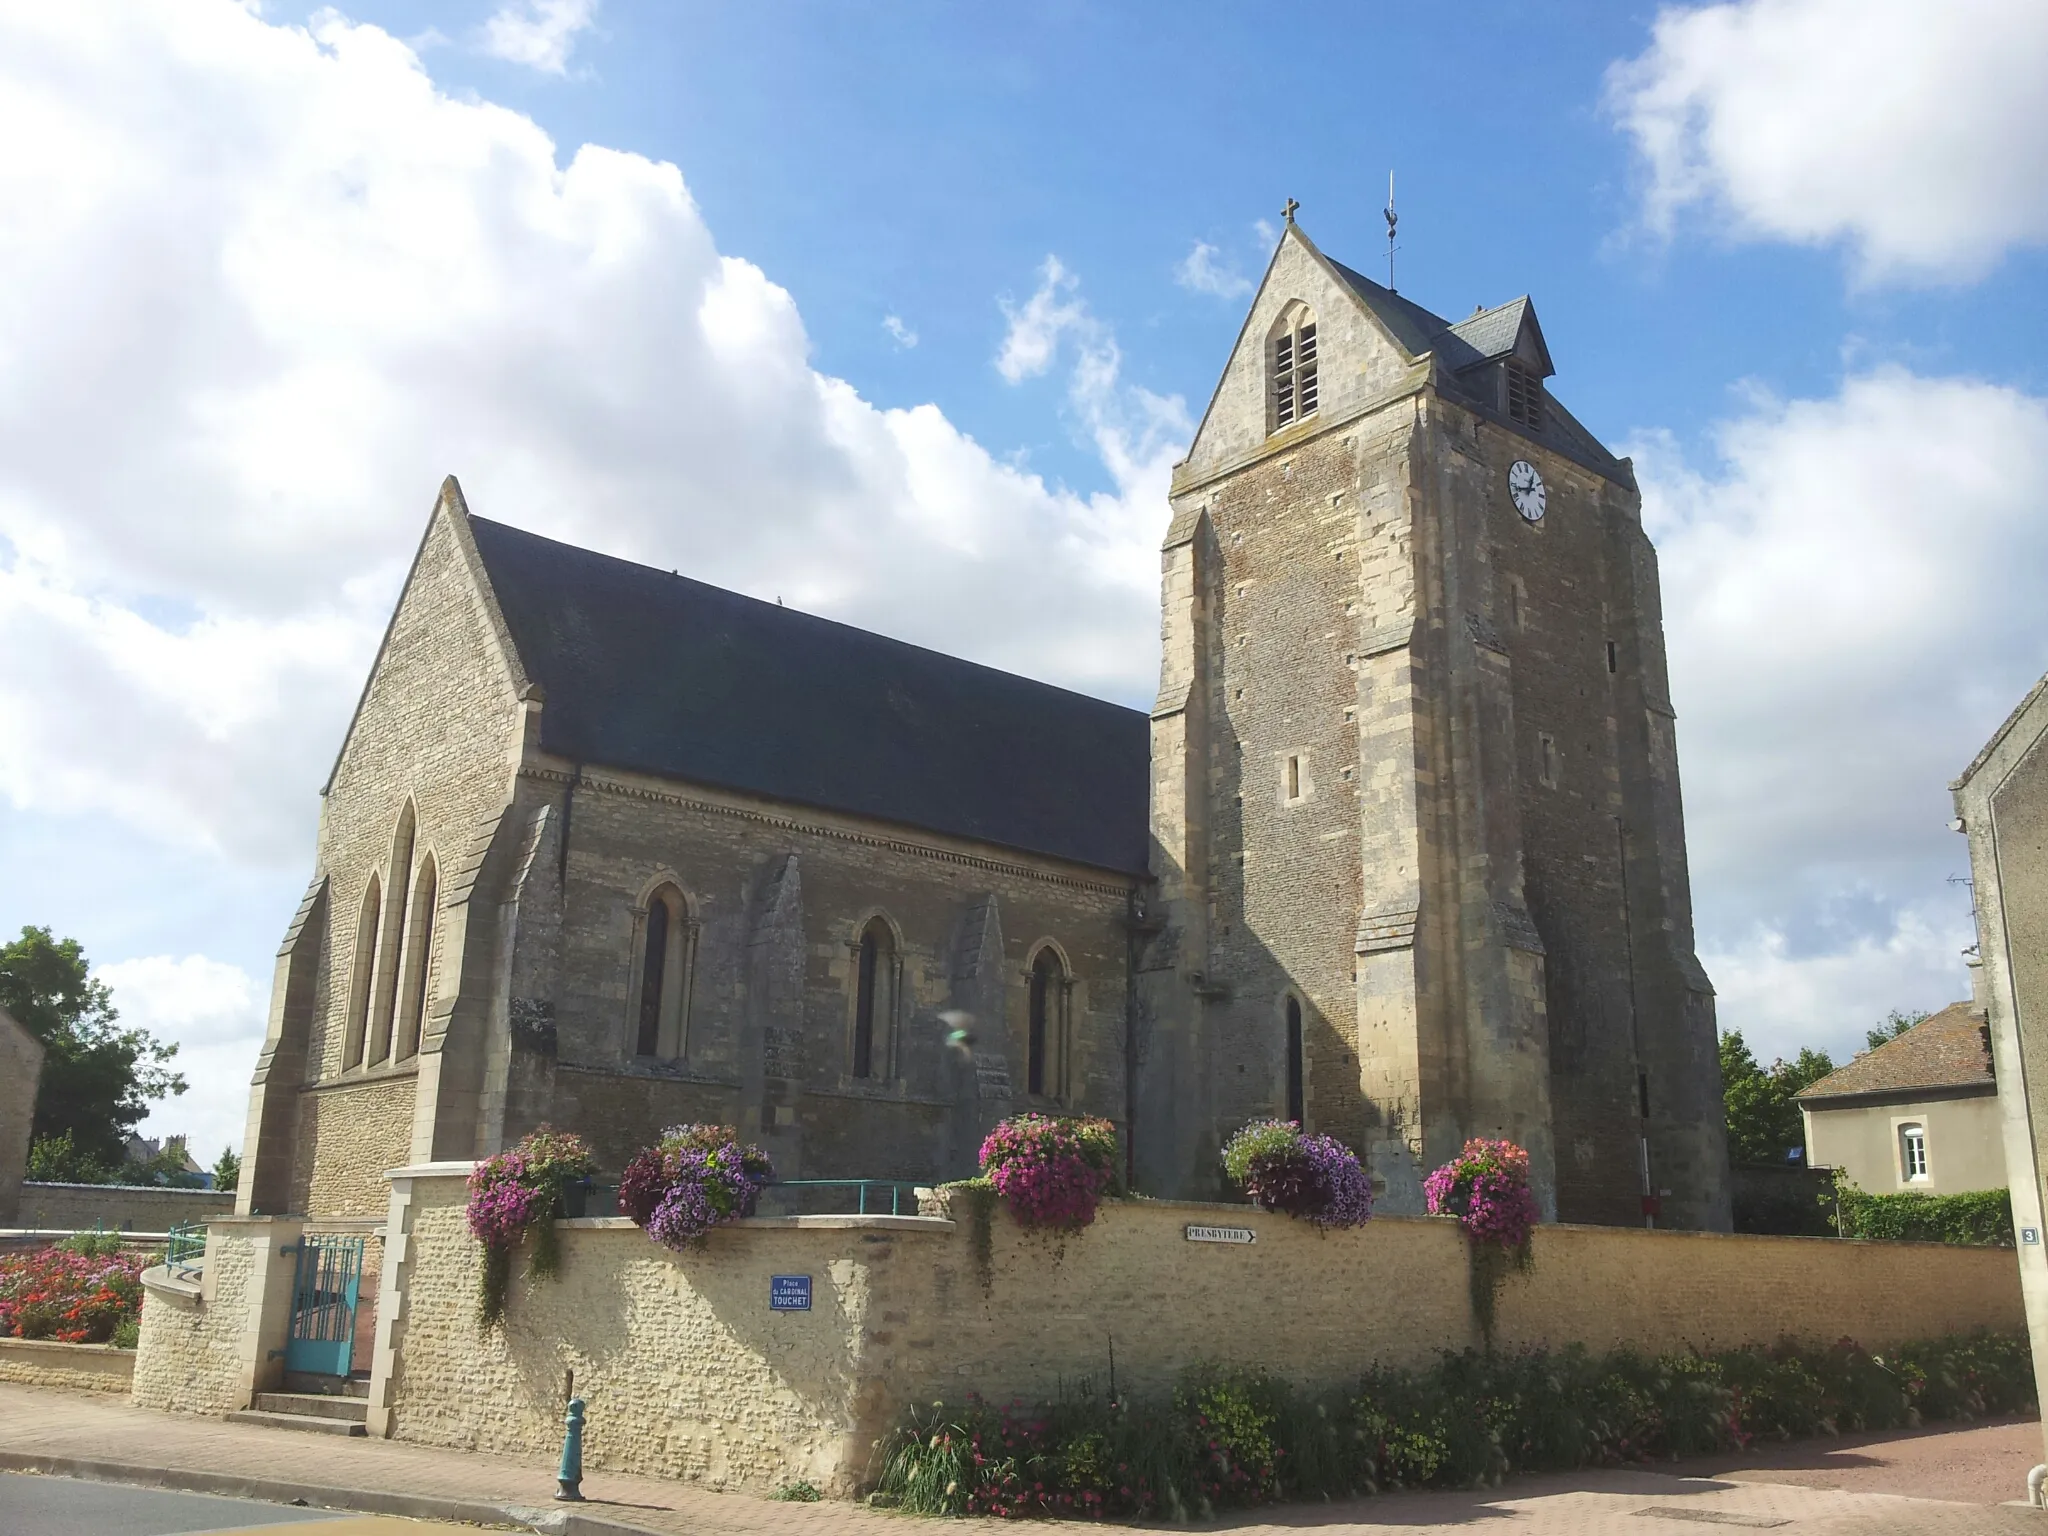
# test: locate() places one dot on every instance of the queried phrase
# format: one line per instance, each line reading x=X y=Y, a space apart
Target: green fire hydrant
x=569 y=1479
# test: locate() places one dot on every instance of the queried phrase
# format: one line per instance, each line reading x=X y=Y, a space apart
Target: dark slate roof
x=1493 y=332
x=1472 y=343
x=1948 y=1050
x=656 y=673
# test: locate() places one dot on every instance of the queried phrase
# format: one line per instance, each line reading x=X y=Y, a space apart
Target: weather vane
x=1393 y=218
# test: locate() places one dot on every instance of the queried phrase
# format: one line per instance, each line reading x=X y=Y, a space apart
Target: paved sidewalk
x=1851 y=1488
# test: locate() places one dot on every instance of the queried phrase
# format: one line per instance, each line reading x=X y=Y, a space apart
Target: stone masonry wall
x=189 y=1355
x=779 y=896
x=359 y=1131
x=81 y=1367
x=117 y=1207
x=21 y=1066
x=689 y=1374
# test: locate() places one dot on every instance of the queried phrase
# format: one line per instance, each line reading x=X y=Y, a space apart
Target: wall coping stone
x=153 y=1189
x=158 y=1278
x=448 y=1170
x=30 y=1346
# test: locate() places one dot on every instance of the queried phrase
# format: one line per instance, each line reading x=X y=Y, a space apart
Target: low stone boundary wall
x=47 y=1363
x=690 y=1373
x=117 y=1207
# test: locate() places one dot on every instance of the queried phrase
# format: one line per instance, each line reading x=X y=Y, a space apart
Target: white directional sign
x=1221 y=1235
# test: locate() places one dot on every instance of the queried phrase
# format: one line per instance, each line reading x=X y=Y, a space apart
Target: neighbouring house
x=2001 y=804
x=1917 y=1114
x=21 y=1071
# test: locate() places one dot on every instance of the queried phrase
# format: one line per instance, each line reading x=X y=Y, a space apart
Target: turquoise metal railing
x=184 y=1246
x=866 y=1197
x=861 y=1187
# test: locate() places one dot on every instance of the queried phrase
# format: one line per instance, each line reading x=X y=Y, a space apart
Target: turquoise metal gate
x=324 y=1295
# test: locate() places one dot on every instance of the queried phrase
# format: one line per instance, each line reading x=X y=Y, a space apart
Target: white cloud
x=1851 y=600
x=262 y=286
x=540 y=34
x=216 y=1014
x=901 y=334
x=1914 y=133
x=1054 y=310
x=1201 y=272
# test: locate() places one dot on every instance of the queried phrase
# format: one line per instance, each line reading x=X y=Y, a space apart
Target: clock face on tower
x=1525 y=486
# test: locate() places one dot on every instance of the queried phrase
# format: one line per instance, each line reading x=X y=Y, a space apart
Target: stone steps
x=305 y=1421
x=313 y=1405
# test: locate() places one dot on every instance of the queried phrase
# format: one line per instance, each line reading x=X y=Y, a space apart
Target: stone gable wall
x=438 y=722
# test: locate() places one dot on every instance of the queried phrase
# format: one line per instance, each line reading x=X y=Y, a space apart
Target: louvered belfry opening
x=1525 y=397
x=1294 y=372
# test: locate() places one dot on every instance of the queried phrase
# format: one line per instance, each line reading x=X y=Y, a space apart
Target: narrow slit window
x=1296 y=1086
x=1292 y=778
x=874 y=1002
x=653 y=974
x=1295 y=388
x=1612 y=657
x=1546 y=760
x=419 y=948
x=1042 y=1043
x=359 y=975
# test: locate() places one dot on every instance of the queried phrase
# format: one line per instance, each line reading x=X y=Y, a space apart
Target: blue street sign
x=789 y=1293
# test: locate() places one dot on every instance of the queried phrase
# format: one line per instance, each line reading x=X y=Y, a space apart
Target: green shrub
x=1982 y=1218
x=1234 y=1438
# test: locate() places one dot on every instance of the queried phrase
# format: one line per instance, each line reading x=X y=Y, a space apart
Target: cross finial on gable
x=1288 y=211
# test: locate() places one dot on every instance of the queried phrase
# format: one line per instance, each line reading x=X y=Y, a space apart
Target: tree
x=1764 y=1125
x=57 y=1160
x=98 y=1079
x=1895 y=1024
x=227 y=1173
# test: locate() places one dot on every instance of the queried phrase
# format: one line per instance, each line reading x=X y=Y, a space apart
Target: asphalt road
x=32 y=1505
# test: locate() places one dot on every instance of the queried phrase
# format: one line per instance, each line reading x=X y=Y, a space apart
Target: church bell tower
x=1415 y=805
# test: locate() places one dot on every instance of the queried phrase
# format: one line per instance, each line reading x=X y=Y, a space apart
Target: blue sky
x=789 y=323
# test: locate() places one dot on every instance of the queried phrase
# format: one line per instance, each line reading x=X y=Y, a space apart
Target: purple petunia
x=1486 y=1186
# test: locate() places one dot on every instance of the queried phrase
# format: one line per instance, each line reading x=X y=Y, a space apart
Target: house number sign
x=1221 y=1234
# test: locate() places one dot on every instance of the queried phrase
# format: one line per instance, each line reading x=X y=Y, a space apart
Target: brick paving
x=1835 y=1488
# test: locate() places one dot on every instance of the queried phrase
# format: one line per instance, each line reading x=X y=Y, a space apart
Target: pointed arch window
x=419 y=947
x=359 y=974
x=1046 y=1027
x=1291 y=356
x=661 y=990
x=874 y=999
x=1297 y=1086
x=391 y=939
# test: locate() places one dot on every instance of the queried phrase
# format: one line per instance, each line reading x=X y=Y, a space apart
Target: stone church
x=1398 y=851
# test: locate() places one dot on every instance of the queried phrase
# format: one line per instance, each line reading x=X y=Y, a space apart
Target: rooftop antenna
x=1393 y=218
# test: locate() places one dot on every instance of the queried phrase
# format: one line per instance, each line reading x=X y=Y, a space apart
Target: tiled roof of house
x=650 y=671
x=1950 y=1049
